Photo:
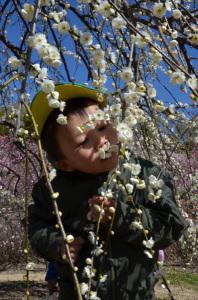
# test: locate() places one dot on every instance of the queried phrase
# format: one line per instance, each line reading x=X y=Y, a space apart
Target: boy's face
x=81 y=150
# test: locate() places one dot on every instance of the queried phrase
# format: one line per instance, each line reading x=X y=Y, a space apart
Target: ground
x=13 y=286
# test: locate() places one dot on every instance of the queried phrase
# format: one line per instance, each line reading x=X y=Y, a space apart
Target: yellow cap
x=41 y=110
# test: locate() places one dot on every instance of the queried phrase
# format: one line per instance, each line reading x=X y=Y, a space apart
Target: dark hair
x=48 y=134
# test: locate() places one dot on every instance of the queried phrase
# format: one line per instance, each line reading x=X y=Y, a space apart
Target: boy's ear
x=64 y=165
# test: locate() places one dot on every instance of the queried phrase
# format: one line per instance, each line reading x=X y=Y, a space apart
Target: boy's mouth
x=107 y=149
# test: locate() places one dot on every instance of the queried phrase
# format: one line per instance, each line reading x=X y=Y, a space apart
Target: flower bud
x=112 y=210
x=69 y=238
x=88 y=261
x=55 y=195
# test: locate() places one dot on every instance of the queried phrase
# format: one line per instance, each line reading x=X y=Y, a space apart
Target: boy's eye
x=103 y=127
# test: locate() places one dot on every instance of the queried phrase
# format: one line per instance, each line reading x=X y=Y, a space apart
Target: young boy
x=130 y=274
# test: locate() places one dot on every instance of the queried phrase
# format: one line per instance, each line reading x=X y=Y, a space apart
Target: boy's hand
x=74 y=247
x=95 y=204
x=52 y=286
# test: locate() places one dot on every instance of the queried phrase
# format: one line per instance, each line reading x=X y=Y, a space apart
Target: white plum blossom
x=115 y=110
x=94 y=296
x=129 y=188
x=130 y=120
x=86 y=38
x=119 y=23
x=22 y=132
x=35 y=70
x=159 y=106
x=135 y=169
x=156 y=57
x=125 y=134
x=52 y=56
x=174 y=34
x=151 y=195
x=137 y=225
x=141 y=184
x=132 y=85
x=103 y=278
x=30 y=266
x=158 y=194
x=98 y=54
x=42 y=50
x=62 y=120
x=169 y=4
x=105 y=9
x=97 y=251
x=88 y=272
x=112 y=56
x=134 y=180
x=47 y=2
x=42 y=75
x=151 y=92
x=28 y=12
x=92 y=237
x=173 y=43
x=62 y=105
x=55 y=195
x=132 y=96
x=112 y=210
x=155 y=183
x=105 y=151
x=47 y=52
x=37 y=39
x=47 y=86
x=126 y=74
x=52 y=174
x=148 y=254
x=53 y=96
x=159 y=10
x=142 y=41
x=57 y=16
x=84 y=288
x=149 y=243
x=98 y=115
x=14 y=62
x=139 y=211
x=88 y=261
x=53 y=103
x=192 y=82
x=178 y=77
x=69 y=238
x=177 y=14
x=62 y=27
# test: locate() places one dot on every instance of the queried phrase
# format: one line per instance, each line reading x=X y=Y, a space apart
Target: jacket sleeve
x=162 y=219
x=44 y=238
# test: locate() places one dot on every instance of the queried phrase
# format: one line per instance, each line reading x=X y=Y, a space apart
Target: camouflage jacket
x=131 y=275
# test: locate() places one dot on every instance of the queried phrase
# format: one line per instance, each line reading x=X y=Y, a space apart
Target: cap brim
x=41 y=110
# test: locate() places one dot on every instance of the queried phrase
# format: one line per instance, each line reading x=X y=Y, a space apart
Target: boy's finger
x=96 y=199
x=78 y=240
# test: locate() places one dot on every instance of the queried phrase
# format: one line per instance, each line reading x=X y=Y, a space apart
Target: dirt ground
x=13 y=287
